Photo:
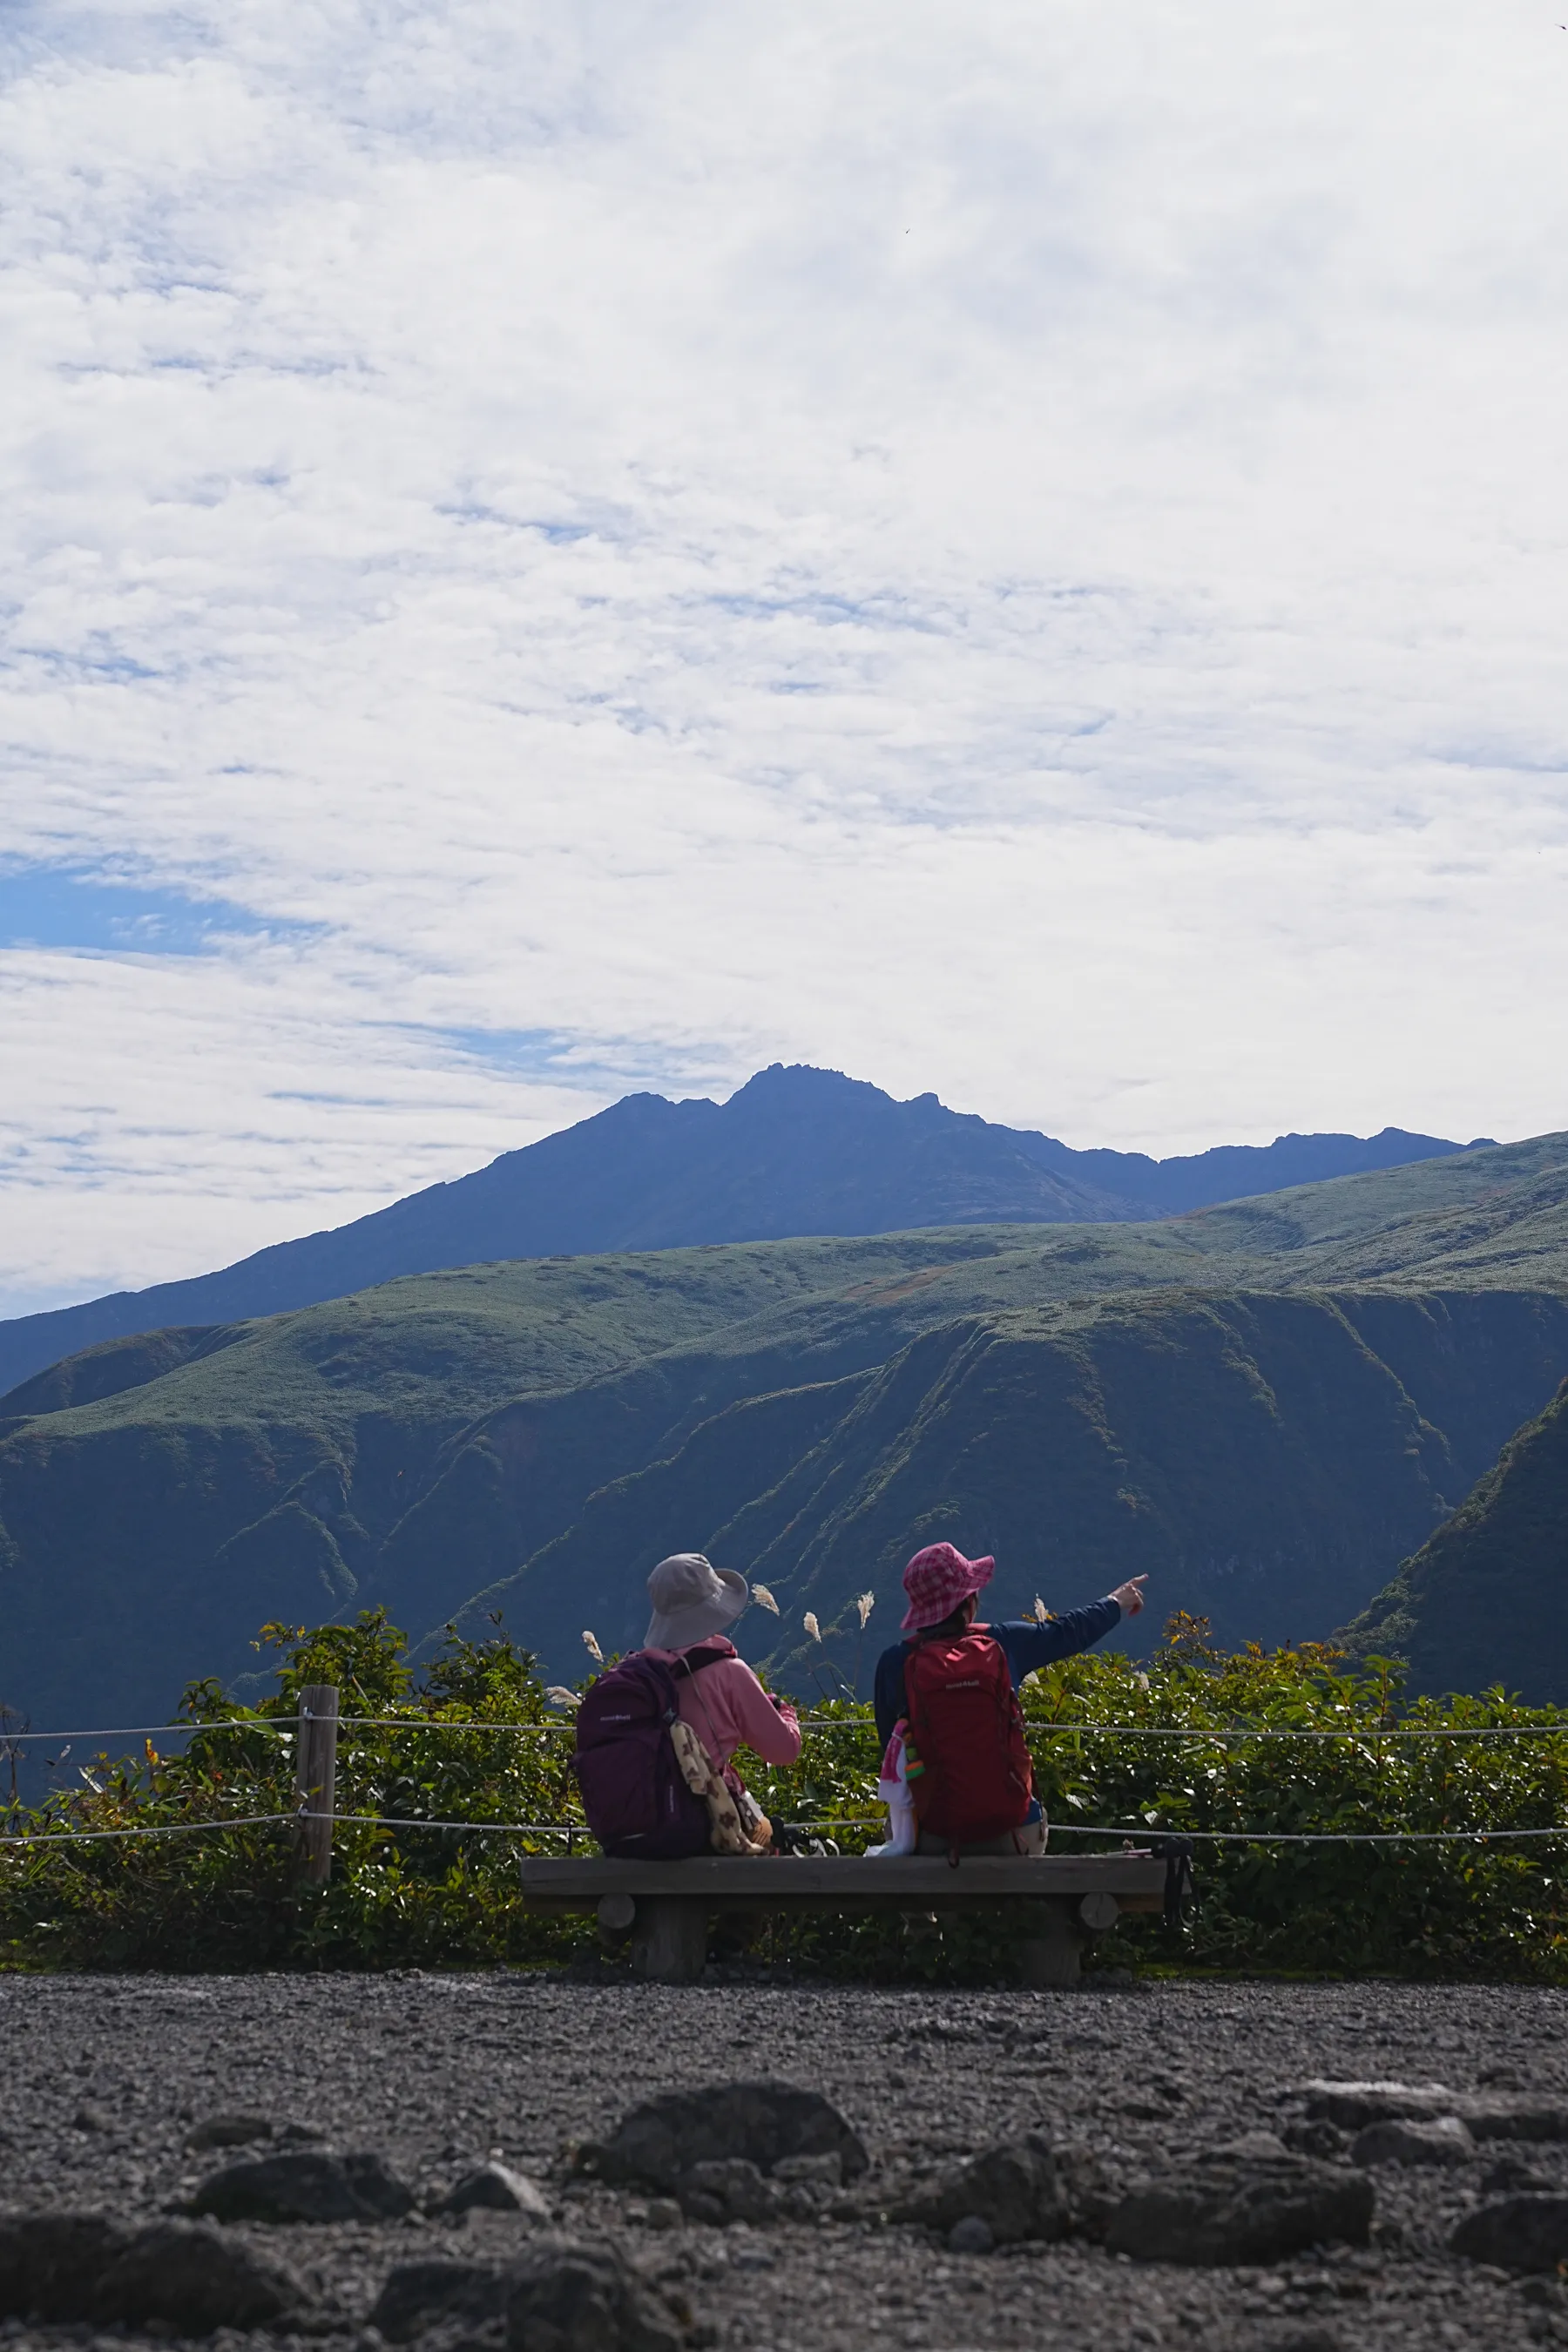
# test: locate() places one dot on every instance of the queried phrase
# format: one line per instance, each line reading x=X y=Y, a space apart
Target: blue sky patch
x=60 y=907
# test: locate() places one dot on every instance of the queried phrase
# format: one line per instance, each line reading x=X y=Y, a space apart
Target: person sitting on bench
x=720 y=1698
x=950 y=1689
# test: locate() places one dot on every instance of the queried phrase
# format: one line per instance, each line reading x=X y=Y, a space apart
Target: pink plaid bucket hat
x=937 y=1579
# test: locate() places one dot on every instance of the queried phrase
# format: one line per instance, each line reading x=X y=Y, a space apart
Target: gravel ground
x=104 y=2079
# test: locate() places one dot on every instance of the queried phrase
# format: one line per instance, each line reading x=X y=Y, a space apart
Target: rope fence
x=816 y=1724
x=315 y=1816
x=570 y=1829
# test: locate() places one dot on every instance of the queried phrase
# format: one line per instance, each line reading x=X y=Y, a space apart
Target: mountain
x=1481 y=1601
x=1267 y=1404
x=795 y=1151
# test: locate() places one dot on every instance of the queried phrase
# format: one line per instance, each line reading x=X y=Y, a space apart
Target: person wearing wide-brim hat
x=942 y=1588
x=693 y=1604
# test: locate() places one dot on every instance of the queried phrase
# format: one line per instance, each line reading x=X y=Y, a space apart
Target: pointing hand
x=1131 y=1595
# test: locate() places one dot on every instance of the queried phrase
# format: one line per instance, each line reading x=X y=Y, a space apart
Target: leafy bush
x=406 y=1890
x=409 y=1895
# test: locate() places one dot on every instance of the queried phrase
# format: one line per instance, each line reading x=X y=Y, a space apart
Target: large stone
x=568 y=2296
x=50 y=2263
x=1517 y=2233
x=657 y=2144
x=419 y=2297
x=496 y=2188
x=305 y=2185
x=1354 y=2105
x=1227 y=2212
x=1513 y=2118
x=193 y=2278
x=229 y=2131
x=1401 y=2140
x=187 y=2276
x=1019 y=2188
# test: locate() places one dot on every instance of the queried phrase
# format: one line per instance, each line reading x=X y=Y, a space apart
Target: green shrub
x=405 y=1890
x=398 y=1897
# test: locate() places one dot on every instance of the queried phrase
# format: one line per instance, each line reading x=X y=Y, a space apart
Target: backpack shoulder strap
x=692 y=1661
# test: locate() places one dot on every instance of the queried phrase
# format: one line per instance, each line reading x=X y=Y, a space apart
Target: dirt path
x=105 y=2077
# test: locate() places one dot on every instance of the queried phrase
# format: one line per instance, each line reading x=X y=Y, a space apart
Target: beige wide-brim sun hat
x=691 y=1599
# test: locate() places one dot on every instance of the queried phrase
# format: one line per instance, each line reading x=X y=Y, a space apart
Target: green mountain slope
x=1256 y=1454
x=1497 y=1216
x=805 y=1407
x=1481 y=1601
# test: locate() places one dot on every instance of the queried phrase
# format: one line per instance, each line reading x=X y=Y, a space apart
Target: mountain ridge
x=796 y=1152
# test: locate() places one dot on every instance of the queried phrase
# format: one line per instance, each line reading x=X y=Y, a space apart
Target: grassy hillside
x=1256 y=1454
x=1486 y=1217
x=1089 y=1399
x=1483 y=1597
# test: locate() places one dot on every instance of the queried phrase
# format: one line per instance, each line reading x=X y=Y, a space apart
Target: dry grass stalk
x=592 y=1646
x=764 y=1598
x=812 y=1627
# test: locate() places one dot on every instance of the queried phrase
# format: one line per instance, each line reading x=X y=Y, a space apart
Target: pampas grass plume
x=559 y=1695
x=812 y=1627
x=867 y=1602
x=764 y=1598
x=592 y=1646
x=1042 y=1614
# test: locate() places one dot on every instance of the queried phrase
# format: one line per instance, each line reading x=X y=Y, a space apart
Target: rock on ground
x=438 y=2077
x=188 y=2277
x=1019 y=2188
x=1258 y=2209
x=305 y=2185
x=659 y=2141
x=1446 y=2140
x=1521 y=2233
x=496 y=2188
x=561 y=2295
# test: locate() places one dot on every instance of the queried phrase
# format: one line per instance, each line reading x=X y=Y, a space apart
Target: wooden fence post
x=316 y=1779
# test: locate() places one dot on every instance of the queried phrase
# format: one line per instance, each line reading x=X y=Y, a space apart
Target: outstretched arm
x=1030 y=1645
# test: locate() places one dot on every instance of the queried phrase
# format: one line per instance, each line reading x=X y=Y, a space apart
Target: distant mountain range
x=1268 y=1404
x=796 y=1152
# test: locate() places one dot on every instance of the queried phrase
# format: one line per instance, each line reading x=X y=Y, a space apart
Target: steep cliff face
x=1482 y=1600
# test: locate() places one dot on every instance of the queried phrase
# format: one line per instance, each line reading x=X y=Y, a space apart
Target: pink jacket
x=726 y=1707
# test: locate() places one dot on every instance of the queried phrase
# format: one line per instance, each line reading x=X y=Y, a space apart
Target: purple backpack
x=634 y=1792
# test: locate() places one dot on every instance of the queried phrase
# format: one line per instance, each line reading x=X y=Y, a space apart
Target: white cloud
x=1018 y=552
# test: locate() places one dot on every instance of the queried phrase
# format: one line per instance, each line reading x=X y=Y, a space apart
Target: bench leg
x=669 y=1938
x=1050 y=1955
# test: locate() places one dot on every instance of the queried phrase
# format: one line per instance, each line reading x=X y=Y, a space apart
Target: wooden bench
x=667 y=1906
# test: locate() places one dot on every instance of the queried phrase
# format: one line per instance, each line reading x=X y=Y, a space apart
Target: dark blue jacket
x=1025 y=1644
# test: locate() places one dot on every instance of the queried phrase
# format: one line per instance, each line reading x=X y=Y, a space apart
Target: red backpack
x=967 y=1731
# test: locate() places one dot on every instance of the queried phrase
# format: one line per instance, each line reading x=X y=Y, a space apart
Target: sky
x=556 y=549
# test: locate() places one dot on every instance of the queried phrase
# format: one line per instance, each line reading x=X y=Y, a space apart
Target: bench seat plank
x=819 y=1881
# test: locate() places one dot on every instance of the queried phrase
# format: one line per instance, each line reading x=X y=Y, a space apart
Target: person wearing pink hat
x=962 y=1678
